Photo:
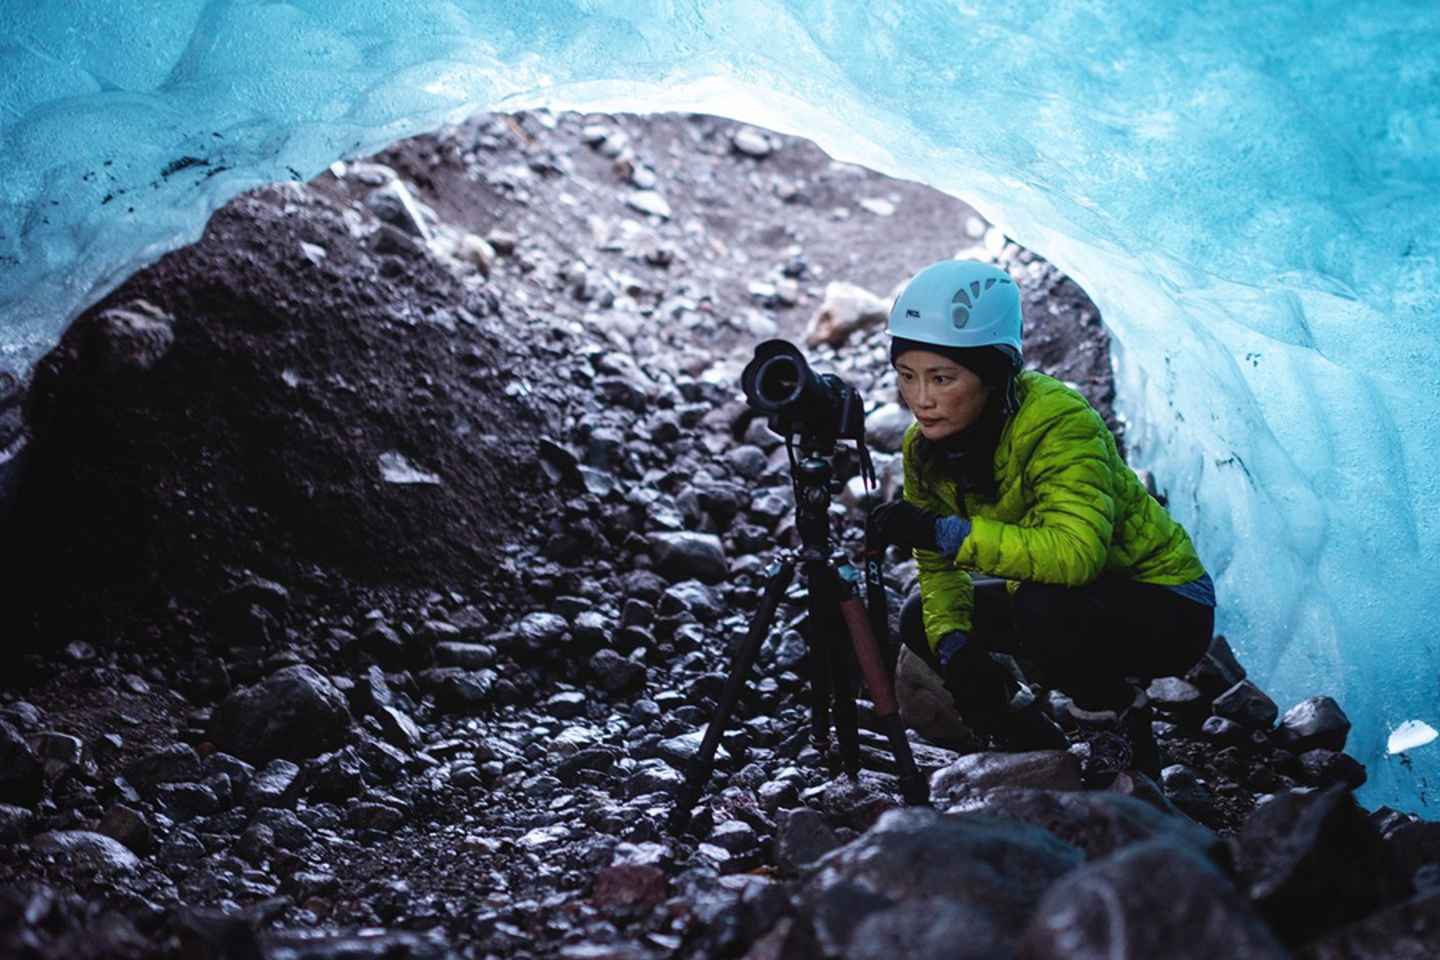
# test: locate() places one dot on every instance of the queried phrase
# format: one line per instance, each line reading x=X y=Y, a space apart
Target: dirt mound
x=298 y=389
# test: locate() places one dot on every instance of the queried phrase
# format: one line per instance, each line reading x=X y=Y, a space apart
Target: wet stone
x=171 y=764
x=1218 y=670
x=398 y=728
x=457 y=690
x=1178 y=698
x=683 y=556
x=653 y=777
x=615 y=674
x=468 y=655
x=58 y=749
x=128 y=826
x=1324 y=768
x=272 y=786
x=978 y=772
x=802 y=835
x=1109 y=908
x=1248 y=706
x=1225 y=732
x=1314 y=724
x=90 y=850
x=182 y=801
x=374 y=816
x=566 y=704
x=294 y=713
x=15 y=823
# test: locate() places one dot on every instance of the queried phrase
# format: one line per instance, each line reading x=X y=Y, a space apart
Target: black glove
x=981 y=687
x=903 y=524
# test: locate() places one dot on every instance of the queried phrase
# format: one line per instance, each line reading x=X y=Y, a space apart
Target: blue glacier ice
x=1250 y=192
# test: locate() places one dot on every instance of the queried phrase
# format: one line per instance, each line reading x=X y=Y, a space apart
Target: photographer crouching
x=1080 y=575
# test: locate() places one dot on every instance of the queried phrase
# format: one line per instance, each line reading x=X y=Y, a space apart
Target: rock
x=751 y=142
x=682 y=556
x=690 y=596
x=1311 y=861
x=129 y=339
x=1000 y=868
x=374 y=816
x=22 y=775
x=540 y=632
x=57 y=751
x=654 y=776
x=294 y=713
x=747 y=461
x=845 y=309
x=372 y=692
x=15 y=823
x=88 y=850
x=380 y=641
x=1314 y=724
x=470 y=656
x=1097 y=822
x=128 y=826
x=272 y=786
x=802 y=836
x=1225 y=732
x=394 y=204
x=735 y=836
x=1178 y=698
x=1154 y=899
x=617 y=675
x=1409 y=930
x=457 y=690
x=1323 y=768
x=1247 y=705
x=175 y=763
x=182 y=801
x=649 y=201
x=978 y=772
x=566 y=704
x=630 y=885
x=885 y=427
x=678 y=751
x=1218 y=670
x=1186 y=790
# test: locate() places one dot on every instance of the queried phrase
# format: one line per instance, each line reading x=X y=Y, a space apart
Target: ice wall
x=1249 y=192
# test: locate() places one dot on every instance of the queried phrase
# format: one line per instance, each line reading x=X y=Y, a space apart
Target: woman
x=1014 y=475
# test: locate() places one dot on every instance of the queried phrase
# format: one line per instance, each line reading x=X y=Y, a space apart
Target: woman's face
x=944 y=396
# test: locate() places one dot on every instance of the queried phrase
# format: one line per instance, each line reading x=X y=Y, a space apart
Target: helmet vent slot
x=989 y=283
x=975 y=288
x=960 y=317
x=962 y=297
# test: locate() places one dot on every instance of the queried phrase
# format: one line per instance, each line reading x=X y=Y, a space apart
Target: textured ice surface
x=1249 y=192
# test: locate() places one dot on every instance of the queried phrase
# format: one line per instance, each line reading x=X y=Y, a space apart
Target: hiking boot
x=1119 y=739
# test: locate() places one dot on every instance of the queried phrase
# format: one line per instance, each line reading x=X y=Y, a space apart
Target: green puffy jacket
x=1067 y=509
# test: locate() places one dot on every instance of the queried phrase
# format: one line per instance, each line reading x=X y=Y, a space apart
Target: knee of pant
x=912 y=625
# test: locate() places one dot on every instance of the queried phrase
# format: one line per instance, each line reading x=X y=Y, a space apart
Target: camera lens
x=779 y=381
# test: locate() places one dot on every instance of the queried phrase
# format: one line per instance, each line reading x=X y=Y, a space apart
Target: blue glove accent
x=950 y=533
x=951 y=644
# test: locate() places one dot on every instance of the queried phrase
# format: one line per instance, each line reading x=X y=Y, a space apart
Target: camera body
x=820 y=408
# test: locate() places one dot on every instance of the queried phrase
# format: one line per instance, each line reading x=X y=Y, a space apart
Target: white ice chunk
x=1409 y=735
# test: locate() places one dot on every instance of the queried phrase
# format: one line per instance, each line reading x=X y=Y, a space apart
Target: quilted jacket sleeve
x=946 y=593
x=1065 y=535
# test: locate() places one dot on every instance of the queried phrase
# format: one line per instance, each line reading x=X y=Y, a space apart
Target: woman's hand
x=905 y=525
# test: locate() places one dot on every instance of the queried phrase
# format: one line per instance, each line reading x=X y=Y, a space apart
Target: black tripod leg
x=818 y=649
x=834 y=684
x=698 y=770
x=913 y=786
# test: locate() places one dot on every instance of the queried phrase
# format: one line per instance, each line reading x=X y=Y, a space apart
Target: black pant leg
x=1085 y=640
x=992 y=623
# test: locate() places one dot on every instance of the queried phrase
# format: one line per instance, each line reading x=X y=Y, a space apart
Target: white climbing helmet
x=960 y=303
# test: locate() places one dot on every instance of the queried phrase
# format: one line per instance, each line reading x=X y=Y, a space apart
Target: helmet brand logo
x=913 y=313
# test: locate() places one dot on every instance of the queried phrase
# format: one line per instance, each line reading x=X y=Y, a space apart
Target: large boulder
x=1097 y=822
x=88 y=850
x=982 y=878
x=294 y=713
x=1313 y=860
x=1154 y=899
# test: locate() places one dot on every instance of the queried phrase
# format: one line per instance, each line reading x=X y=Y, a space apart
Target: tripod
x=834 y=606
